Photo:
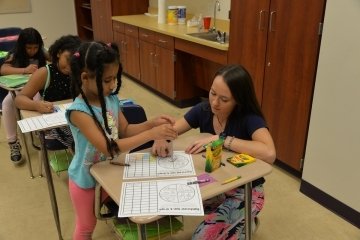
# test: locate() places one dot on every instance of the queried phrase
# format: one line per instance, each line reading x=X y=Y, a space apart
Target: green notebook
x=14 y=80
x=128 y=230
x=3 y=54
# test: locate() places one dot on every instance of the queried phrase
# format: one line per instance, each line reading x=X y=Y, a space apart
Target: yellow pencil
x=230 y=180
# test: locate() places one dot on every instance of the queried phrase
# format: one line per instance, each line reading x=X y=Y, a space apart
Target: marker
x=199 y=181
x=120 y=164
x=230 y=180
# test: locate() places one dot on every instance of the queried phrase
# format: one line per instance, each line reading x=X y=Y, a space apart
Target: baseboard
x=334 y=205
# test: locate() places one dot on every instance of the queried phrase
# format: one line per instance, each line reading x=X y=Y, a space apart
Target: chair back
x=136 y=114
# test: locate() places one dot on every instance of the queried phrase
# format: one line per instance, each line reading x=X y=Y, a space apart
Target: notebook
x=14 y=80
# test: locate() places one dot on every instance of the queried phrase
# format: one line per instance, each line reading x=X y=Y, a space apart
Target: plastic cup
x=206 y=22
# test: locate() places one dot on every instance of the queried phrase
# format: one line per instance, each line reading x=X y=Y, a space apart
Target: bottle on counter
x=181 y=14
x=172 y=12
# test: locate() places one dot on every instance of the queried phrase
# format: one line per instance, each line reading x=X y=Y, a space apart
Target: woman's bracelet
x=229 y=143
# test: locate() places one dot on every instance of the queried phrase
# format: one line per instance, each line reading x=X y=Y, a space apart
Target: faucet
x=216 y=8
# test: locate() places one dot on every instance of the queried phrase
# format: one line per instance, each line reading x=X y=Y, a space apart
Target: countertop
x=177 y=31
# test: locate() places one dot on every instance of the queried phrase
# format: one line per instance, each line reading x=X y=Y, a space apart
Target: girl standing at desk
x=99 y=127
x=53 y=84
x=233 y=112
x=26 y=57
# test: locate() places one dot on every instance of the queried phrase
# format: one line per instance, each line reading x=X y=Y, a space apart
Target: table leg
x=248 y=199
x=50 y=183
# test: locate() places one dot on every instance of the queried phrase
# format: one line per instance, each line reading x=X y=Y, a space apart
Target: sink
x=210 y=36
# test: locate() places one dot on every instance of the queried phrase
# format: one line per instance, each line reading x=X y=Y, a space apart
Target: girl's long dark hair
x=91 y=57
x=20 y=58
x=242 y=89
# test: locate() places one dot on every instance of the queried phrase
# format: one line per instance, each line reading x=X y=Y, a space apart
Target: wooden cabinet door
x=165 y=71
x=147 y=63
x=101 y=20
x=132 y=56
x=248 y=38
x=119 y=39
x=291 y=61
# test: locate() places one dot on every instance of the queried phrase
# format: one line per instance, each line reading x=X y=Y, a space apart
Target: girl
x=53 y=84
x=26 y=57
x=233 y=112
x=99 y=127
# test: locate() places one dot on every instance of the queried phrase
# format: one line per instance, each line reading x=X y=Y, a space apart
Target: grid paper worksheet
x=145 y=165
x=161 y=197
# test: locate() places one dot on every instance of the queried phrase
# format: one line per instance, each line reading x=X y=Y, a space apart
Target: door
x=291 y=61
x=248 y=38
x=101 y=20
x=165 y=71
x=147 y=63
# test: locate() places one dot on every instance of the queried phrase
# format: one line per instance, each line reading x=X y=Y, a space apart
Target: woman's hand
x=164 y=131
x=160 y=148
x=44 y=107
x=162 y=119
x=198 y=145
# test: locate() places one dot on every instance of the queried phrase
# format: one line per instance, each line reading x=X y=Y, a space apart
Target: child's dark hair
x=91 y=57
x=20 y=58
x=65 y=43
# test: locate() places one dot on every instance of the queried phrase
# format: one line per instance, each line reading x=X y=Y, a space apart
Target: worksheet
x=145 y=165
x=44 y=121
x=161 y=197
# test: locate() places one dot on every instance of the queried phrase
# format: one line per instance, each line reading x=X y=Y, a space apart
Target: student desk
x=12 y=90
x=27 y=114
x=110 y=177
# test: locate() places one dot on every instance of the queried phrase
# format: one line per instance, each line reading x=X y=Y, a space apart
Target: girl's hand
x=44 y=107
x=198 y=145
x=30 y=69
x=164 y=131
x=162 y=119
x=160 y=148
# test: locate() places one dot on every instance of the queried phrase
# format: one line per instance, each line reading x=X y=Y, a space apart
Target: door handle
x=261 y=20
x=272 y=16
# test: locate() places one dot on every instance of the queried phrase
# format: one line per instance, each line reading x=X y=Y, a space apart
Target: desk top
x=110 y=177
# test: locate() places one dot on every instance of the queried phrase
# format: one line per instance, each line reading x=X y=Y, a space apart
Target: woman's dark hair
x=92 y=57
x=65 y=43
x=20 y=58
x=241 y=86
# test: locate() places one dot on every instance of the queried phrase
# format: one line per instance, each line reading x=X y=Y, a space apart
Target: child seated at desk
x=53 y=84
x=26 y=57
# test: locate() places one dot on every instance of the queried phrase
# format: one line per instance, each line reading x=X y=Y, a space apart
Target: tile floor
x=25 y=210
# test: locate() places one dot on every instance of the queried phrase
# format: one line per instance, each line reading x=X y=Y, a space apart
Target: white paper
x=45 y=121
x=160 y=197
x=145 y=165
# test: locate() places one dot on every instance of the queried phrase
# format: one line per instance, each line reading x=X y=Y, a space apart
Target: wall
x=332 y=155
x=205 y=7
x=51 y=18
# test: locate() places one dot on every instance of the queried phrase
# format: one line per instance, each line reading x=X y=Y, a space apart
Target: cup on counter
x=181 y=14
x=206 y=22
x=172 y=17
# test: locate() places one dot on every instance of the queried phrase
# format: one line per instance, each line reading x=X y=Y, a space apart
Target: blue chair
x=6 y=32
x=136 y=114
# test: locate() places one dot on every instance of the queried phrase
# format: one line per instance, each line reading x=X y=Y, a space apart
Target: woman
x=234 y=113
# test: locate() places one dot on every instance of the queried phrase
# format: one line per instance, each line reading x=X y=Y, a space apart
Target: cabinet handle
x=261 y=20
x=145 y=35
x=272 y=15
x=162 y=41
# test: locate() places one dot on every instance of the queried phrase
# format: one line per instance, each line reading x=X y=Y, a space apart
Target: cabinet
x=126 y=37
x=94 y=16
x=278 y=42
x=157 y=61
x=83 y=19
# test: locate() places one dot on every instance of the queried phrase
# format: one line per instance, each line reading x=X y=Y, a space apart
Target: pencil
x=230 y=180
x=120 y=164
